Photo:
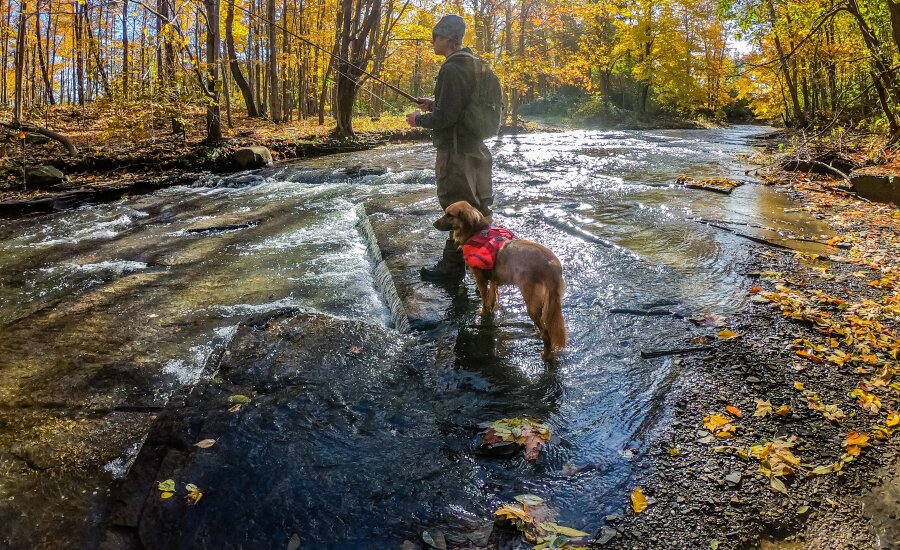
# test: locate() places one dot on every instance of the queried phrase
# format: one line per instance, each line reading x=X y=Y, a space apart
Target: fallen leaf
x=167 y=485
x=802 y=510
x=638 y=500
x=239 y=399
x=701 y=340
x=822 y=470
x=234 y=408
x=562 y=530
x=529 y=500
x=166 y=494
x=809 y=355
x=719 y=424
x=893 y=419
x=755 y=288
x=762 y=408
x=783 y=410
x=735 y=411
x=194 y=494
x=778 y=485
x=205 y=443
x=727 y=334
x=510 y=511
x=799 y=386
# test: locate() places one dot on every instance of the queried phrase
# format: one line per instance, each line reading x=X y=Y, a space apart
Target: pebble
x=753 y=380
x=734 y=478
x=606 y=535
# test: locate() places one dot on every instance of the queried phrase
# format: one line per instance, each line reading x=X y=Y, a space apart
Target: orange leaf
x=735 y=411
x=638 y=501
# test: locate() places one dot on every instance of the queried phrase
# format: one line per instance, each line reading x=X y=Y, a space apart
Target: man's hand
x=411 y=119
x=425 y=104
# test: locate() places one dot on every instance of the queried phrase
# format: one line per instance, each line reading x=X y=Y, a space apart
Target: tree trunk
x=894 y=9
x=125 y=49
x=78 y=45
x=789 y=81
x=274 y=94
x=48 y=84
x=242 y=84
x=214 y=85
x=19 y=64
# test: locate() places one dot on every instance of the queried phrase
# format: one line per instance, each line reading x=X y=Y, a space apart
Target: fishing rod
x=335 y=56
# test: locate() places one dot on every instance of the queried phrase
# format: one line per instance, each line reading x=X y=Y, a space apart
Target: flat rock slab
x=59 y=467
x=318 y=420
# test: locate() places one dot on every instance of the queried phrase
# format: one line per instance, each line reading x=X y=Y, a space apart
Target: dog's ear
x=471 y=217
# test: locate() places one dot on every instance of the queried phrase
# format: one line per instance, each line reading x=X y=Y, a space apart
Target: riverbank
x=783 y=436
x=126 y=151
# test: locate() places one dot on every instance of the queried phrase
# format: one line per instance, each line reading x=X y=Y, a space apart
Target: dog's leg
x=493 y=293
x=533 y=295
x=482 y=282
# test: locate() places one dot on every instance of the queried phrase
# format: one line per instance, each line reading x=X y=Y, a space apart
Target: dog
x=526 y=264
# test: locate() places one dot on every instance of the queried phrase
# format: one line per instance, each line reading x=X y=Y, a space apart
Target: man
x=463 y=163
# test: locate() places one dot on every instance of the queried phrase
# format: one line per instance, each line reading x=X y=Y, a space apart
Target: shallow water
x=122 y=304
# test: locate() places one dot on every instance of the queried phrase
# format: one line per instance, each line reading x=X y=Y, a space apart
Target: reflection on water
x=121 y=304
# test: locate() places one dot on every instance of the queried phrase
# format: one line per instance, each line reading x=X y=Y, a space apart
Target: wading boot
x=451 y=267
x=443 y=271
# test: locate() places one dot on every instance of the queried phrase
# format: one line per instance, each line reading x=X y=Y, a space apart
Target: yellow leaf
x=166 y=494
x=822 y=470
x=762 y=408
x=167 y=485
x=727 y=334
x=511 y=511
x=799 y=386
x=205 y=443
x=638 y=500
x=893 y=419
x=194 y=494
x=238 y=398
x=783 y=410
x=562 y=530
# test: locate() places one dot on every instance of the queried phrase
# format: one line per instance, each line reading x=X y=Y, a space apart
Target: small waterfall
x=384 y=281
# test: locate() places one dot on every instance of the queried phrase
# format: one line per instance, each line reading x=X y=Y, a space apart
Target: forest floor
x=785 y=435
x=124 y=146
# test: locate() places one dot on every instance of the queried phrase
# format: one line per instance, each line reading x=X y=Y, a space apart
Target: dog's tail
x=552 y=317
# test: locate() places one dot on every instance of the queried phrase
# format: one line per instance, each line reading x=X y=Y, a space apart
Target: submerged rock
x=255 y=156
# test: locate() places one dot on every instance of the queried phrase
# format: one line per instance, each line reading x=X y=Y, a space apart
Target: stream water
x=115 y=307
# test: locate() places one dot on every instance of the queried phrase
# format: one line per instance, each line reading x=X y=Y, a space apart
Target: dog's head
x=465 y=220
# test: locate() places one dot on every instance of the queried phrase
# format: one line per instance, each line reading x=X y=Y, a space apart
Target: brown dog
x=528 y=265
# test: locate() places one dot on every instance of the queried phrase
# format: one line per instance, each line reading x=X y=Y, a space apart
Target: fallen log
x=65 y=141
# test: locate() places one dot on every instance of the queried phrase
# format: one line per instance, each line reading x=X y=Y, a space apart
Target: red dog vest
x=480 y=251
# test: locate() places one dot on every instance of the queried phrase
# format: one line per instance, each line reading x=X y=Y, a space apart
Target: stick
x=680 y=351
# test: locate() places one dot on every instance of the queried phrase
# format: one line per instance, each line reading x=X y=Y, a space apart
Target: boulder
x=877 y=187
x=255 y=156
x=44 y=176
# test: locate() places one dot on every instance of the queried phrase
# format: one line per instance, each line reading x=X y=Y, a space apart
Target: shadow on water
x=358 y=434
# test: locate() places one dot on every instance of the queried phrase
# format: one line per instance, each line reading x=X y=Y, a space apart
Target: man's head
x=447 y=35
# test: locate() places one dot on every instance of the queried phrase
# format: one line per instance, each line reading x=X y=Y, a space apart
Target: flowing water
x=111 y=309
